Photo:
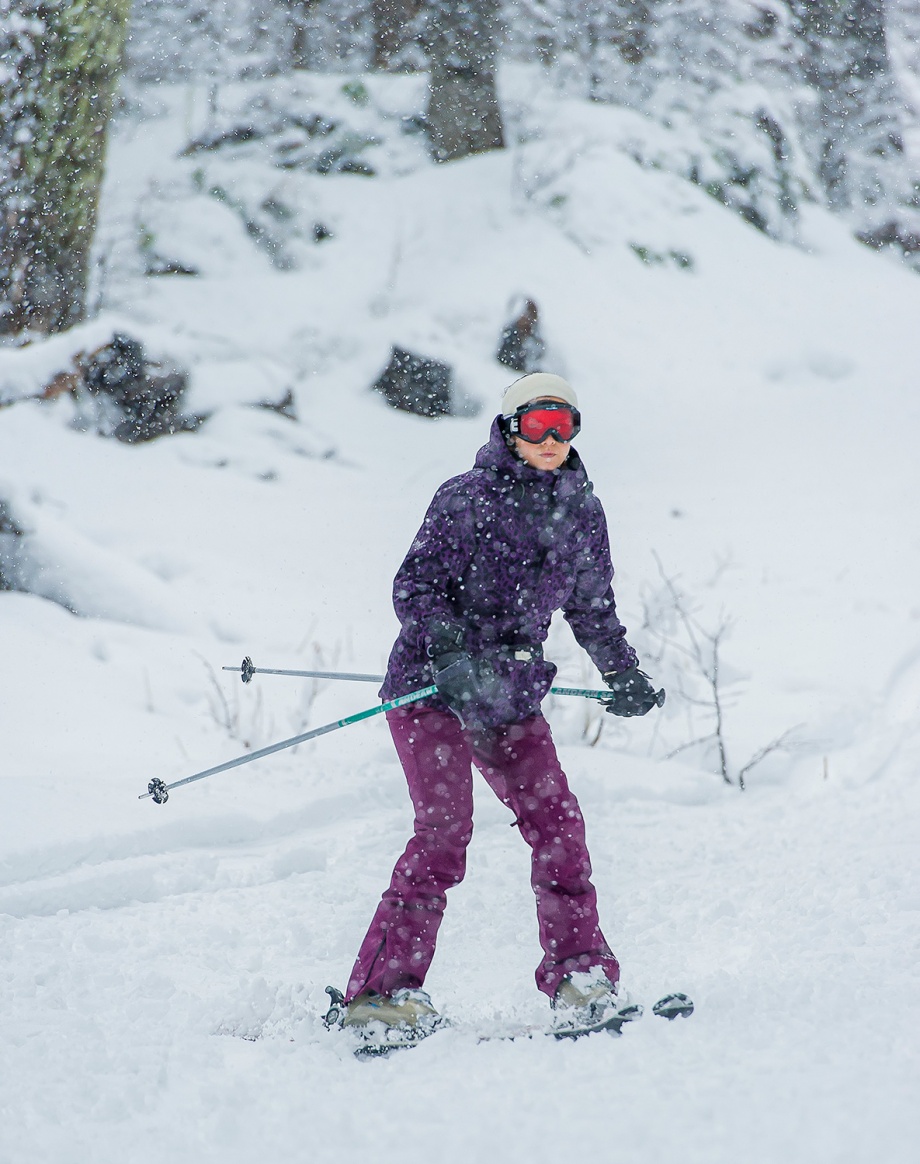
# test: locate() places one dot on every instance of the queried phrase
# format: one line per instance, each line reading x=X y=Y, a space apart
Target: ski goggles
x=535 y=422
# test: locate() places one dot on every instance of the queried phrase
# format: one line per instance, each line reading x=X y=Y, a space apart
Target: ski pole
x=247 y=670
x=159 y=792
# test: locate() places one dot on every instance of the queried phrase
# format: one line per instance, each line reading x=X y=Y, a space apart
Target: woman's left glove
x=633 y=693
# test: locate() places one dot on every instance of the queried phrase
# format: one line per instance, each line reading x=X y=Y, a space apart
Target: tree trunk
x=395 y=32
x=300 y=11
x=463 y=116
x=55 y=102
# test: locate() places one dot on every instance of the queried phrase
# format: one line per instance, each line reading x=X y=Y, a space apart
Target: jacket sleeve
x=430 y=575
x=591 y=610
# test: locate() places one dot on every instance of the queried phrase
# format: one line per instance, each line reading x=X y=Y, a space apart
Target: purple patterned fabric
x=520 y=764
x=502 y=547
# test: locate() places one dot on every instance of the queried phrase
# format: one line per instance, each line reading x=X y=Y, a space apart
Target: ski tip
x=336 y=1012
x=673 y=1006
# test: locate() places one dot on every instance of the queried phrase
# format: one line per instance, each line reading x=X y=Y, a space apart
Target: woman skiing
x=501 y=548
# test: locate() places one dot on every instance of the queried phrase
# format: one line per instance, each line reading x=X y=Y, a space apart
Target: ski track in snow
x=754 y=423
x=174 y=1005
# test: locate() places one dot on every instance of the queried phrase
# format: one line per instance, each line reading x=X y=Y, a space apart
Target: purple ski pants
x=520 y=764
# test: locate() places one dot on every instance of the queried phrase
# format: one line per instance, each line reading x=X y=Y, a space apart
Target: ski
x=673 y=1006
x=670 y=1007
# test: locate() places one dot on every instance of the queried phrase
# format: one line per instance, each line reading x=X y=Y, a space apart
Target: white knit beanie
x=534 y=386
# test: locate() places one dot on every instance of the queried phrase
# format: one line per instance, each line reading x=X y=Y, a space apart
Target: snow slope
x=750 y=423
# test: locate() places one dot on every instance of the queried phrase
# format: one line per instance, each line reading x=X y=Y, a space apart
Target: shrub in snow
x=416 y=384
x=315 y=143
x=10 y=535
x=521 y=345
x=774 y=102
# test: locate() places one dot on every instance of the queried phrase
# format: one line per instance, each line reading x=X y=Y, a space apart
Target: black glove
x=633 y=693
x=462 y=682
x=458 y=682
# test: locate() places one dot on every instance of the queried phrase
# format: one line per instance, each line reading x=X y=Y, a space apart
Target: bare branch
x=777 y=745
x=690 y=744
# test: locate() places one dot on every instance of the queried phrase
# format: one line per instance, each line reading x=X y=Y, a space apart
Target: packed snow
x=750 y=422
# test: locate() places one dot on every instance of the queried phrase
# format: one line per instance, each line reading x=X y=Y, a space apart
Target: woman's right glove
x=633 y=693
x=458 y=682
x=462 y=683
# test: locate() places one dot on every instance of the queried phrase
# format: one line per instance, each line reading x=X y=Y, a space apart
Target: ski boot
x=387 y=1023
x=587 y=1002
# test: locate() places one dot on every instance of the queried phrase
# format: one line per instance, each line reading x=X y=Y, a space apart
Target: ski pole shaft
x=585 y=693
x=160 y=791
x=247 y=670
x=602 y=696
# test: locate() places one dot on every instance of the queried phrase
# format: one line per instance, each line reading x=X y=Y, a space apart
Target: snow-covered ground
x=750 y=423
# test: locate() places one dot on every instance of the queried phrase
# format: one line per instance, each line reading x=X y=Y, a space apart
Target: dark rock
x=157 y=265
x=317 y=125
x=356 y=166
x=521 y=346
x=416 y=384
x=140 y=398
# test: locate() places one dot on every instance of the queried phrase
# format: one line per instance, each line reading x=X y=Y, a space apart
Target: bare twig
x=220 y=708
x=690 y=744
x=227 y=717
x=704 y=650
x=780 y=744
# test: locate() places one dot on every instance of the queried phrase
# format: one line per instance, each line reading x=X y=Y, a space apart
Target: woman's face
x=549 y=454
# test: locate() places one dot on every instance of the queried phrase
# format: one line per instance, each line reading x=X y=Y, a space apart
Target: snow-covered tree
x=854 y=124
x=60 y=63
x=173 y=39
x=774 y=101
x=726 y=80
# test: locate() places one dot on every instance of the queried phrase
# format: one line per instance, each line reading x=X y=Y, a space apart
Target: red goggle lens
x=536 y=424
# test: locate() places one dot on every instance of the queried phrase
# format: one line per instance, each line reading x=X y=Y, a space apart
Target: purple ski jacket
x=503 y=547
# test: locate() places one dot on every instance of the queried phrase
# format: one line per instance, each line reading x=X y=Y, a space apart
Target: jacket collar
x=569 y=481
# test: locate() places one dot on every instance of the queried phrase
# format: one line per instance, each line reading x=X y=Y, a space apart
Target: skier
x=501 y=548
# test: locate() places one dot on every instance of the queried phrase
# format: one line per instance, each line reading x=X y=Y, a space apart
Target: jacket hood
x=570 y=481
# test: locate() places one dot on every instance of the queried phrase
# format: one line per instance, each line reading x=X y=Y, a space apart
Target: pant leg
x=520 y=764
x=400 y=942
